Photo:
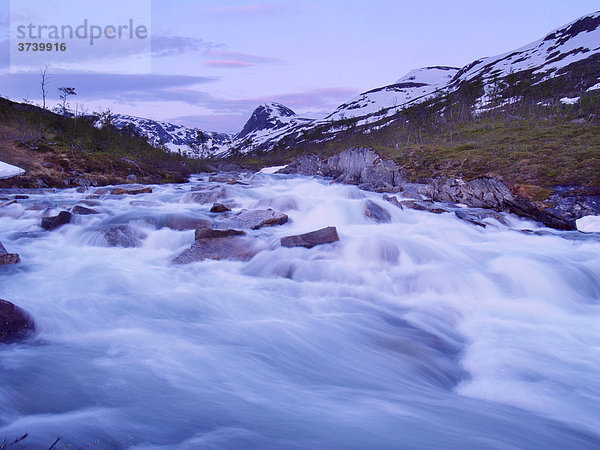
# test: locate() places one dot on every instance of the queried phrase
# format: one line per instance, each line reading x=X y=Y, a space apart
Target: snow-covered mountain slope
x=568 y=57
x=417 y=84
x=573 y=42
x=267 y=124
x=564 y=64
x=176 y=138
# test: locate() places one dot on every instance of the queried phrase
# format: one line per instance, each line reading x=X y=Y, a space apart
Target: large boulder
x=362 y=166
x=258 y=218
x=323 y=236
x=7 y=258
x=219 y=245
x=15 y=323
x=50 y=223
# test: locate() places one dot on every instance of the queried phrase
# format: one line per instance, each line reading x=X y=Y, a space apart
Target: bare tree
x=44 y=83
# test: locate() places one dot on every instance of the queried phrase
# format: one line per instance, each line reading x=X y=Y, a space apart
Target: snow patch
x=593 y=88
x=8 y=170
x=270 y=170
x=588 y=224
x=569 y=100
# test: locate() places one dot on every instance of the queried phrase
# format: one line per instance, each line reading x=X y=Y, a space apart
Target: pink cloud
x=226 y=64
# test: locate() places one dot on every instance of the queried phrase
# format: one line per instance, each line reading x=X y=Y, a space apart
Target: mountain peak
x=268 y=116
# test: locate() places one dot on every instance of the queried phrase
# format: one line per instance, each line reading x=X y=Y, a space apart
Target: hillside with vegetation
x=58 y=150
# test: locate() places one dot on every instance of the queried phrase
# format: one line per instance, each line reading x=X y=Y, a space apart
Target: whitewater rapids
x=426 y=332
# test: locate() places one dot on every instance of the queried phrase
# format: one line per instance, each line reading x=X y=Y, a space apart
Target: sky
x=212 y=62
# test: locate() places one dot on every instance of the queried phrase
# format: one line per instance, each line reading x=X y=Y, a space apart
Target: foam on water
x=423 y=332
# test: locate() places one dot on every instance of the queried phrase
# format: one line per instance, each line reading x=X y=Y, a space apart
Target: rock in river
x=50 y=223
x=219 y=244
x=258 y=218
x=123 y=236
x=376 y=213
x=15 y=323
x=7 y=258
x=323 y=236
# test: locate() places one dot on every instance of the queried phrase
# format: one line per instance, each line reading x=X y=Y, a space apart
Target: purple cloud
x=179 y=45
x=239 y=56
x=227 y=64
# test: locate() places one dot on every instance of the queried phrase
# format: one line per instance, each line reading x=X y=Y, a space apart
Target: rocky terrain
x=368 y=170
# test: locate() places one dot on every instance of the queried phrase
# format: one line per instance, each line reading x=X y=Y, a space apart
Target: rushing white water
x=419 y=333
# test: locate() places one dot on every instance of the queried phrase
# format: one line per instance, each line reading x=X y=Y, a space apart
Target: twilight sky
x=213 y=62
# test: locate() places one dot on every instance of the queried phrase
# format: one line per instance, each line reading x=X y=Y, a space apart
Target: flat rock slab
x=50 y=223
x=308 y=240
x=255 y=219
x=123 y=236
x=121 y=191
x=209 y=233
x=238 y=248
x=15 y=323
x=376 y=213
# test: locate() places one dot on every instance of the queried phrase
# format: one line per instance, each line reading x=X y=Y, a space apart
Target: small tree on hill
x=64 y=93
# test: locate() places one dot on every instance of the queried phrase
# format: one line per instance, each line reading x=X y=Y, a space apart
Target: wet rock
x=122 y=191
x=219 y=245
x=123 y=236
x=11 y=202
x=393 y=200
x=209 y=233
x=8 y=258
x=21 y=197
x=255 y=219
x=132 y=177
x=15 y=323
x=323 y=236
x=83 y=211
x=219 y=208
x=422 y=205
x=180 y=222
x=101 y=191
x=50 y=223
x=476 y=217
x=470 y=218
x=207 y=196
x=376 y=213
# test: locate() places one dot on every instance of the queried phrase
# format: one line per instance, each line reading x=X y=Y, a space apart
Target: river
x=425 y=332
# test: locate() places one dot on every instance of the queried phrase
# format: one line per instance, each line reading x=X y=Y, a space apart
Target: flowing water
x=419 y=333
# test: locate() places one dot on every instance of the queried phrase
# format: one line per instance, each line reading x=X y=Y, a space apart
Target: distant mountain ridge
x=563 y=64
